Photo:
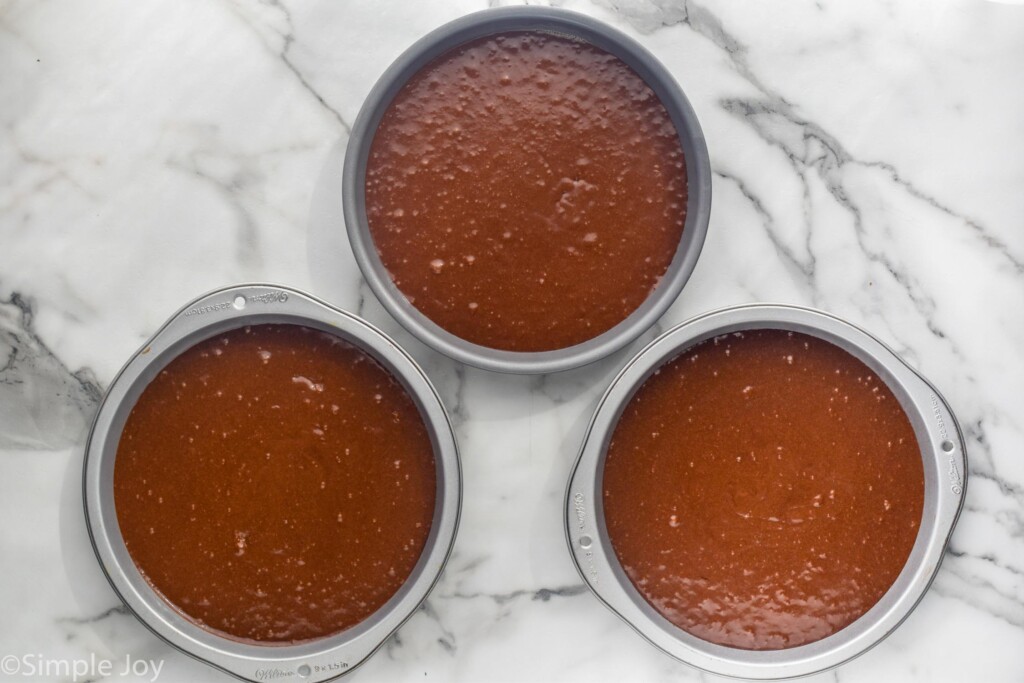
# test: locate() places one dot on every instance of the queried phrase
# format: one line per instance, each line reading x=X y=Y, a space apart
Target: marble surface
x=867 y=160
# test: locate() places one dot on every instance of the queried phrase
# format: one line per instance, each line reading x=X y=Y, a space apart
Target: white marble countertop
x=868 y=160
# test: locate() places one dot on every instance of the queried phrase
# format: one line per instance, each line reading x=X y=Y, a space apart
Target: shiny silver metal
x=205 y=317
x=561 y=22
x=945 y=472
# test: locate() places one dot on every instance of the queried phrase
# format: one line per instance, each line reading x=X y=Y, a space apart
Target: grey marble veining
x=866 y=161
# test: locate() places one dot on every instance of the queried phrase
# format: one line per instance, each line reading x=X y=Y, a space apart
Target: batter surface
x=526 y=191
x=763 y=489
x=275 y=484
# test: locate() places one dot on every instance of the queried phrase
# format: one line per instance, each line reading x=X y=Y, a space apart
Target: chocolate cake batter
x=763 y=489
x=526 y=191
x=275 y=484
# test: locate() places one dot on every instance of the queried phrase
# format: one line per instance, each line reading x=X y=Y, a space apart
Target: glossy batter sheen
x=526 y=192
x=275 y=484
x=763 y=490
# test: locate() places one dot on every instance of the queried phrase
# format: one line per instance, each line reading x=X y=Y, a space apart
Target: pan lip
x=943 y=454
x=507 y=19
x=314 y=660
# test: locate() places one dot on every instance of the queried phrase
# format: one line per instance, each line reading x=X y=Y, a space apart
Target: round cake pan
x=208 y=316
x=945 y=472
x=563 y=23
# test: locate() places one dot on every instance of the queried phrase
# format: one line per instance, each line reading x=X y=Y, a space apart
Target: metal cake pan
x=945 y=470
x=565 y=23
x=213 y=314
